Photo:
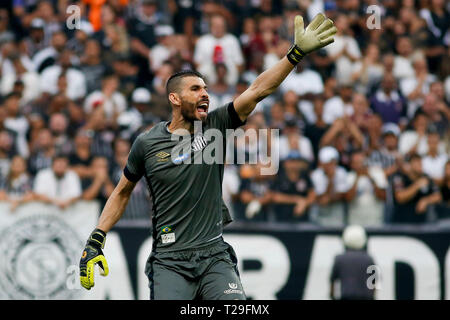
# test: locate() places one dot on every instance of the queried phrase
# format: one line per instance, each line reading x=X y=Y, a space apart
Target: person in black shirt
x=351 y=268
x=443 y=209
x=414 y=192
x=293 y=191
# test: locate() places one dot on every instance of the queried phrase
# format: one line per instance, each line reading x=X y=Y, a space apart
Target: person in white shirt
x=19 y=72
x=165 y=47
x=330 y=185
x=57 y=185
x=415 y=140
x=293 y=140
x=403 y=60
x=109 y=98
x=414 y=88
x=367 y=192
x=76 y=82
x=338 y=106
x=344 y=51
x=433 y=163
x=132 y=119
x=218 y=46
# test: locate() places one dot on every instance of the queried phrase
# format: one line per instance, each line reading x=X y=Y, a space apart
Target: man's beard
x=188 y=113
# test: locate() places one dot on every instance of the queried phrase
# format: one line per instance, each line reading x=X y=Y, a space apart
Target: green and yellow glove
x=317 y=34
x=91 y=256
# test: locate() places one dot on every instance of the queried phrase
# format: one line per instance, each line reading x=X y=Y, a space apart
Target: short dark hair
x=174 y=81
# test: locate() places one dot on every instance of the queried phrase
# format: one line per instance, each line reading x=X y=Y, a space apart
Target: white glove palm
x=317 y=34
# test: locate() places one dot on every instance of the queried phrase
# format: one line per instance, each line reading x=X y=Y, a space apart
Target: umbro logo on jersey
x=199 y=143
x=163 y=156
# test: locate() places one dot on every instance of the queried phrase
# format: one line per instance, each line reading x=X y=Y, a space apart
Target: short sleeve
x=135 y=168
x=224 y=118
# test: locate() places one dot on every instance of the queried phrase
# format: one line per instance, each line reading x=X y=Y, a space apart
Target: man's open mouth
x=203 y=107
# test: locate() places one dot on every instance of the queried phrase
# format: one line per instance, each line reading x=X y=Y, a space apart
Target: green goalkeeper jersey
x=186 y=189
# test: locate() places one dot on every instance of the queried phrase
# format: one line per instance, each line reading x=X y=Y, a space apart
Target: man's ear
x=174 y=99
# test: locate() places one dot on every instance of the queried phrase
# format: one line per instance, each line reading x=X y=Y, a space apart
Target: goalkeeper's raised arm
x=317 y=34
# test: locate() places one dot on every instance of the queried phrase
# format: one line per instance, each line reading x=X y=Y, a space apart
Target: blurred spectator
x=367 y=192
x=98 y=186
x=443 y=208
x=109 y=99
x=339 y=105
x=132 y=119
x=230 y=187
x=76 y=82
x=437 y=18
x=77 y=43
x=415 y=140
x=437 y=112
x=5 y=33
x=218 y=47
x=42 y=151
x=164 y=48
x=292 y=190
x=159 y=96
x=344 y=51
x=330 y=185
x=80 y=160
x=57 y=185
x=220 y=92
x=414 y=193
x=91 y=65
x=36 y=40
x=368 y=71
x=49 y=55
x=434 y=162
x=387 y=156
x=141 y=28
x=140 y=205
x=16 y=122
x=416 y=86
x=292 y=139
x=254 y=194
x=345 y=136
x=16 y=187
x=20 y=75
x=351 y=268
x=311 y=81
x=388 y=102
x=315 y=131
x=7 y=151
x=403 y=61
x=58 y=125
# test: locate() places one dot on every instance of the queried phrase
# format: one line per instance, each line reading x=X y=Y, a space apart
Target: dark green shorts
x=207 y=273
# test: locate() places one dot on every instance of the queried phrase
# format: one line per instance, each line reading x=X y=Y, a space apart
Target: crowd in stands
x=364 y=135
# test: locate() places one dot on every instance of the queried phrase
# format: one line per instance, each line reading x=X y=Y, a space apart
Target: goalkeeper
x=189 y=258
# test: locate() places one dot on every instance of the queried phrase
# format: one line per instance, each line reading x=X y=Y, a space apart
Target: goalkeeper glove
x=317 y=34
x=92 y=255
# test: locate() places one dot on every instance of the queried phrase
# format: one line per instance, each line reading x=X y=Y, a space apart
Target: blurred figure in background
x=57 y=185
x=292 y=190
x=414 y=193
x=16 y=187
x=350 y=272
x=330 y=185
x=367 y=192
